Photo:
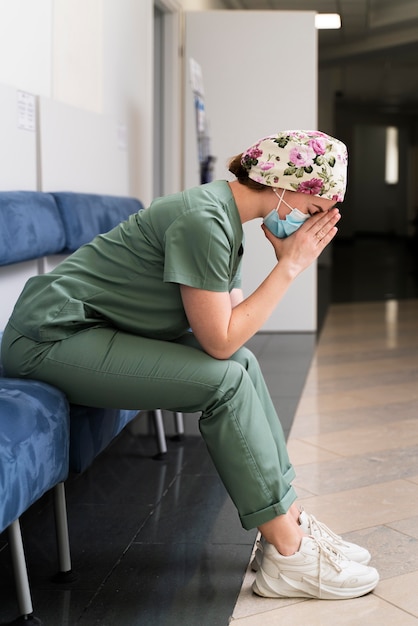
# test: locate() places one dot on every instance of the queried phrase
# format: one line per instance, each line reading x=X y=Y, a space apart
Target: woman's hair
x=236 y=167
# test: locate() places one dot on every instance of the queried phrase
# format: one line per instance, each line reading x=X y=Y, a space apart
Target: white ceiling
x=375 y=53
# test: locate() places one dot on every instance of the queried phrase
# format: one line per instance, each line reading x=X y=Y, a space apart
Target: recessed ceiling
x=375 y=51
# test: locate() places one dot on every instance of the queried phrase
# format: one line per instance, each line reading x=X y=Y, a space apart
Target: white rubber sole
x=283 y=587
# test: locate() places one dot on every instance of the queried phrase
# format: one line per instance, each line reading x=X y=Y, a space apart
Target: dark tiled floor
x=153 y=542
x=372 y=268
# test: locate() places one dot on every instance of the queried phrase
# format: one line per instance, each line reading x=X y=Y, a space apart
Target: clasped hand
x=306 y=244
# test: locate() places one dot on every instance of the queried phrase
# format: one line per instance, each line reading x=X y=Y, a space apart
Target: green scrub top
x=129 y=277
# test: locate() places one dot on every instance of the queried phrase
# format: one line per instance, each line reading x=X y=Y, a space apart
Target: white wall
x=18 y=144
x=18 y=170
x=87 y=157
x=94 y=55
x=256 y=83
x=26 y=45
x=77 y=53
x=106 y=66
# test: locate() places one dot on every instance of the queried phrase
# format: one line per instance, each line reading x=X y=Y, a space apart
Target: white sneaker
x=311 y=526
x=317 y=570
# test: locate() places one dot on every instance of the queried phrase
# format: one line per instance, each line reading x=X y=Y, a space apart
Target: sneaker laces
x=329 y=553
x=320 y=529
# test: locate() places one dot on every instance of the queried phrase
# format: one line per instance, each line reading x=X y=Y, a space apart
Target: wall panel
x=80 y=151
x=259 y=72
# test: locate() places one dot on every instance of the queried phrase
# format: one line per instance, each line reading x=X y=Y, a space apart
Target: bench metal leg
x=61 y=527
x=159 y=429
x=179 y=424
x=24 y=599
x=65 y=572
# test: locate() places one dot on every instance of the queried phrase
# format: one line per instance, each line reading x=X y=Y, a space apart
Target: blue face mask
x=284 y=228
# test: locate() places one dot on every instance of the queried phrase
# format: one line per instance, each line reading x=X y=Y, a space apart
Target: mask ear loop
x=280 y=199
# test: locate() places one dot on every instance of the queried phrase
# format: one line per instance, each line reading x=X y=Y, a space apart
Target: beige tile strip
x=354 y=444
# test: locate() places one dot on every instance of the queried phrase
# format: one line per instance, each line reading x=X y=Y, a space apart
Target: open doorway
x=374 y=254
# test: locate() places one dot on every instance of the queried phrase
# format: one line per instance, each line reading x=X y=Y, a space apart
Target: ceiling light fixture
x=327 y=20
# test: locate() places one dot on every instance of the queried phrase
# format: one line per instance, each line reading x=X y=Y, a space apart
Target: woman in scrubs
x=110 y=326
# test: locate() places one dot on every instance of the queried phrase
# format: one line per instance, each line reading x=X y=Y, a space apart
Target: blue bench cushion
x=86 y=215
x=30 y=226
x=34 y=436
x=91 y=431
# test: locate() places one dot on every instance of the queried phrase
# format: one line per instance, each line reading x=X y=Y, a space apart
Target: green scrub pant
x=105 y=367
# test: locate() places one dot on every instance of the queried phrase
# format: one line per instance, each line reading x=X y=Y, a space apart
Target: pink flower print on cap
x=306 y=161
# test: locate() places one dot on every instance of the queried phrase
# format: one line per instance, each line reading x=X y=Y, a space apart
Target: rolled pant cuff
x=254 y=520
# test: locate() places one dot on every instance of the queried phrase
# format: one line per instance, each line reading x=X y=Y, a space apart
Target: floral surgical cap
x=306 y=161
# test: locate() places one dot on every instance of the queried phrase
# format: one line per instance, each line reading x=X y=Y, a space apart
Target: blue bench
x=42 y=437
